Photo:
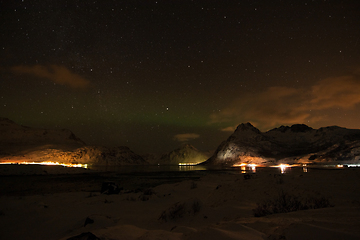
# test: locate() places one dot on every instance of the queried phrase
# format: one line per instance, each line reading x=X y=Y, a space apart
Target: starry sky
x=152 y=75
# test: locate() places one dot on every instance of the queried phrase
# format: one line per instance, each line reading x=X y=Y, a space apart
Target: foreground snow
x=205 y=205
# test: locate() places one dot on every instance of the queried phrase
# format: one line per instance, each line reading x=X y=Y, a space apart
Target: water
x=146 y=168
x=235 y=170
x=241 y=169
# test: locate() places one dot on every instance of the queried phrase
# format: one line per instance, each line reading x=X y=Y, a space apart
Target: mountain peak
x=300 y=128
x=185 y=154
x=188 y=146
x=246 y=127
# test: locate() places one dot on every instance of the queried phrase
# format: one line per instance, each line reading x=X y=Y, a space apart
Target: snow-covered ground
x=178 y=205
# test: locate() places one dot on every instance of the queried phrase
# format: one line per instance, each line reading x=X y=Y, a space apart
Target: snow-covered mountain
x=186 y=154
x=19 y=143
x=95 y=155
x=295 y=144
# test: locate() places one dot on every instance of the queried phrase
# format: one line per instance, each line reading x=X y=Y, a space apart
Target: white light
x=354 y=165
x=283 y=167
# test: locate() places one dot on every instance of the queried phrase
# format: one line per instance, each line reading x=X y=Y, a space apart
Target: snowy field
x=54 y=202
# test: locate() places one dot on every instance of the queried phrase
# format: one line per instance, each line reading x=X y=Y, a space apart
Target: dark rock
x=110 y=188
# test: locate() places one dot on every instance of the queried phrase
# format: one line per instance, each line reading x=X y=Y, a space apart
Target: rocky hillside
x=19 y=143
x=295 y=144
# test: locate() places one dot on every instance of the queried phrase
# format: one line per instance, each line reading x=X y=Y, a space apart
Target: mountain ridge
x=21 y=143
x=298 y=143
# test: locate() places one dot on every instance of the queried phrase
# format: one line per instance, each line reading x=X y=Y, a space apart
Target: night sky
x=152 y=75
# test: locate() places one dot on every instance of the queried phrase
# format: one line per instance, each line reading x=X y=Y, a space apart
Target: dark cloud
x=55 y=73
x=186 y=137
x=285 y=105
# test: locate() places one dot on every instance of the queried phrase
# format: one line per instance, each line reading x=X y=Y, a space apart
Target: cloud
x=186 y=137
x=229 y=129
x=342 y=92
x=267 y=108
x=285 y=105
x=55 y=73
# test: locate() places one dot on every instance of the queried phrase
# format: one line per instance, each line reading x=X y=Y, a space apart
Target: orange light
x=49 y=163
x=243 y=167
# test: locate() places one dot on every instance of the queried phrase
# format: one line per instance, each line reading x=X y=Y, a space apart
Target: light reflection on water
x=147 y=168
x=242 y=168
x=248 y=169
x=177 y=168
x=237 y=169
